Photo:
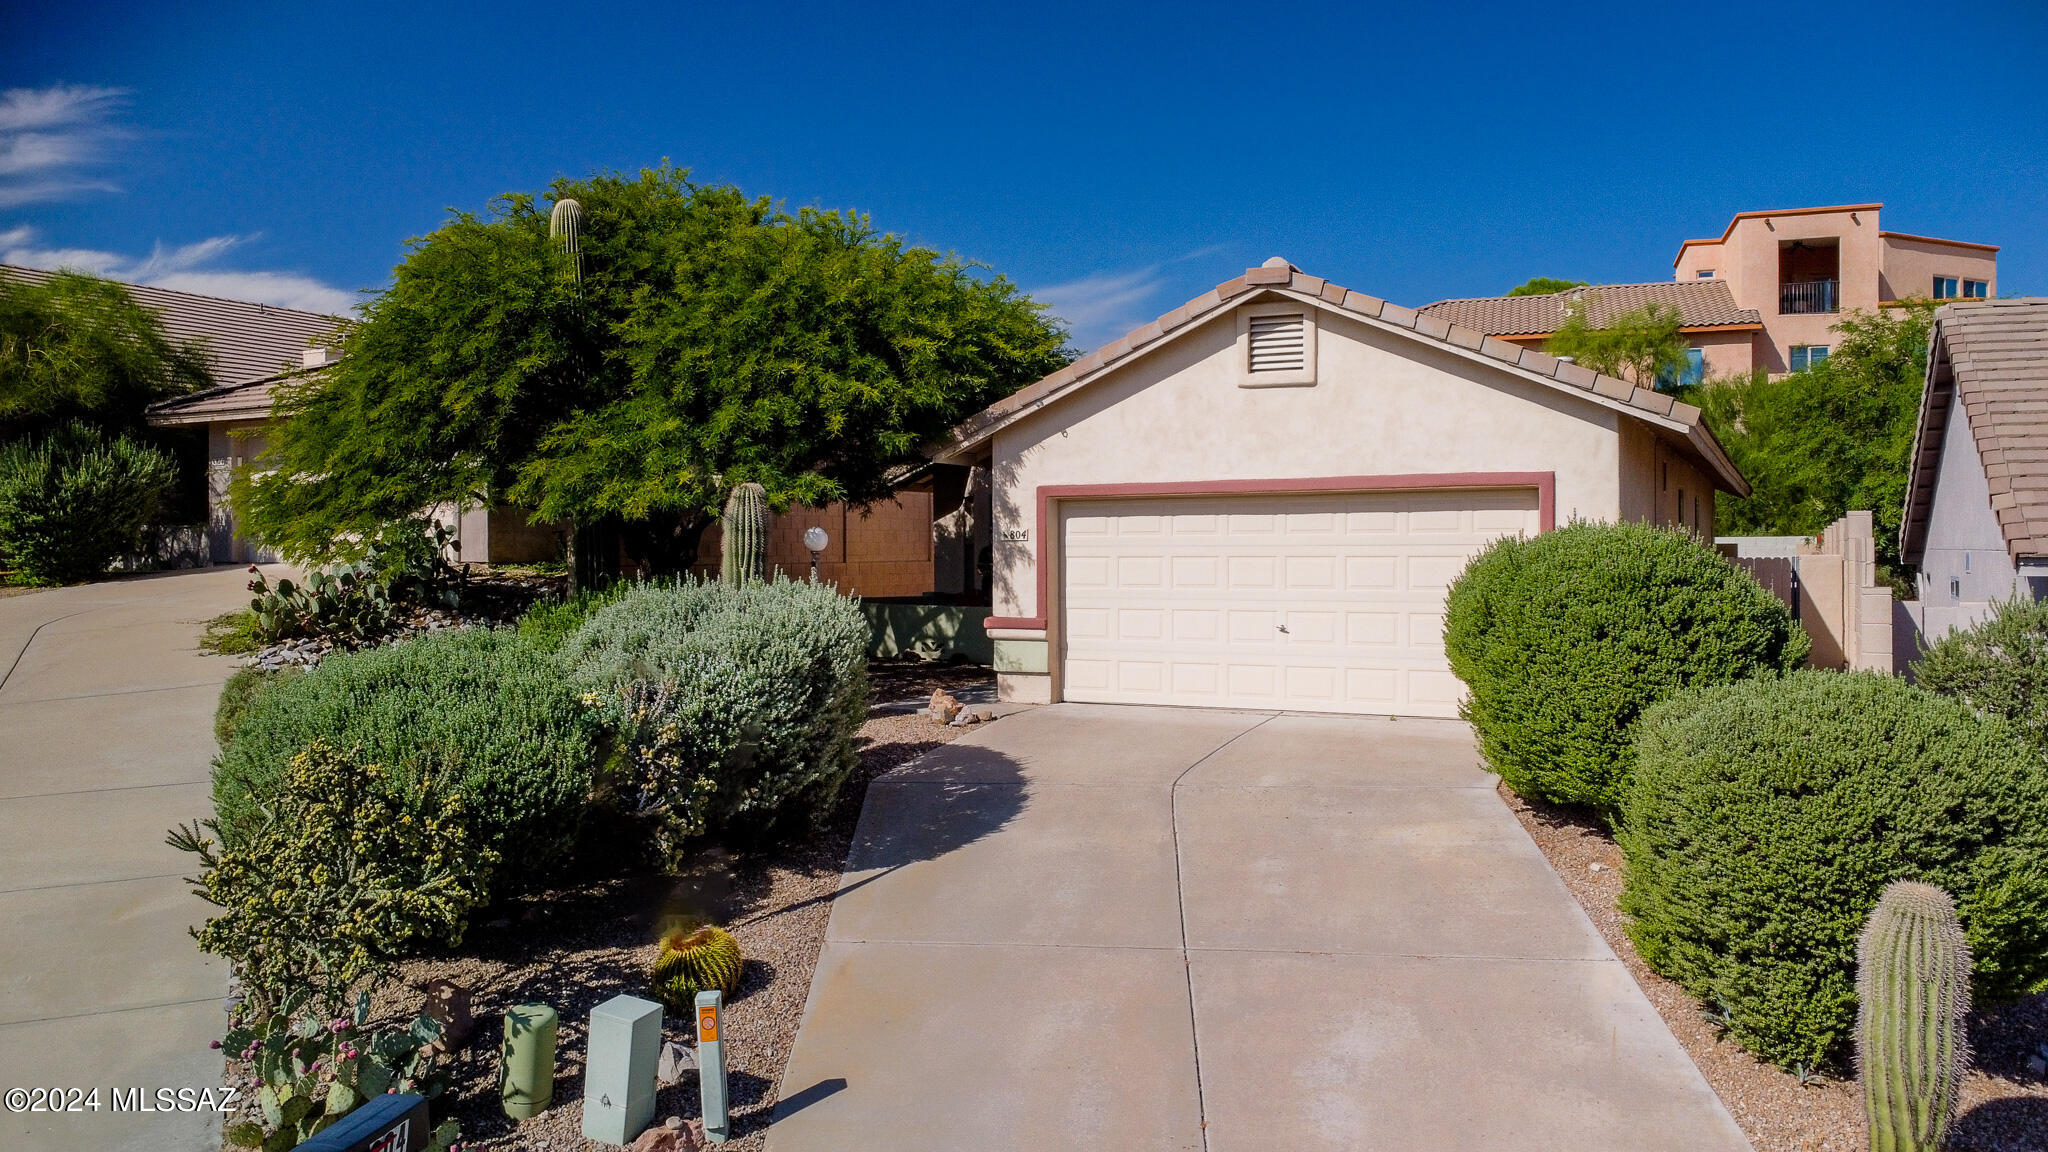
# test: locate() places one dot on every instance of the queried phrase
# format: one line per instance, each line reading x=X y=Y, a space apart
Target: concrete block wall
x=1834 y=590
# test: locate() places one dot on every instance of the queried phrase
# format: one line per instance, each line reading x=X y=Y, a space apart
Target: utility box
x=619 y=1069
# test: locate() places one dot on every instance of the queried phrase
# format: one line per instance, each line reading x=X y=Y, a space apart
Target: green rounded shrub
x=736 y=705
x=73 y=501
x=1999 y=667
x=240 y=691
x=1563 y=639
x=1766 y=818
x=477 y=707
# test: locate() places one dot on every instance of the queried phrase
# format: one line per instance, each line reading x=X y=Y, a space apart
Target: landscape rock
x=944 y=706
x=676 y=1062
x=448 y=1004
x=675 y=1135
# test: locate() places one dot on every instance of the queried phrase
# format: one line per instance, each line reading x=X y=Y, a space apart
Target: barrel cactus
x=1913 y=981
x=693 y=959
x=745 y=548
x=564 y=225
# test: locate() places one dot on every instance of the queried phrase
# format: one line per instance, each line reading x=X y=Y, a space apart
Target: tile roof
x=1278 y=276
x=245 y=341
x=1993 y=354
x=1700 y=304
x=250 y=401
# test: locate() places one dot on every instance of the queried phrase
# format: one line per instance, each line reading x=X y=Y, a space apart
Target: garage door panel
x=1183 y=600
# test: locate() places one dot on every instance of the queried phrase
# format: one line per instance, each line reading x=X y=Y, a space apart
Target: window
x=1974 y=289
x=1805 y=356
x=1944 y=287
x=1681 y=507
x=1705 y=273
x=1695 y=370
x=1279 y=342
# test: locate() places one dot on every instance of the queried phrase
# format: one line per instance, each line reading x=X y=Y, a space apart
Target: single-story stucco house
x=1260 y=498
x=1976 y=515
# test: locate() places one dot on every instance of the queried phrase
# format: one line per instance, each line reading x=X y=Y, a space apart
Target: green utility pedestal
x=526 y=1062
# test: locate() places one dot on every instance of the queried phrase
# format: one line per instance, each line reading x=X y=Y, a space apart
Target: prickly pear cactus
x=565 y=224
x=1913 y=979
x=745 y=550
x=693 y=961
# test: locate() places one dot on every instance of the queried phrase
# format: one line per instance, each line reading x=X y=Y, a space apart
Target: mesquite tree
x=711 y=339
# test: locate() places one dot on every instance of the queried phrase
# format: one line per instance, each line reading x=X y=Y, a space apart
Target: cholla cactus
x=564 y=224
x=744 y=554
x=1913 y=978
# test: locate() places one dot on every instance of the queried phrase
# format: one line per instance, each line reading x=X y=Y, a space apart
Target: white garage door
x=1324 y=603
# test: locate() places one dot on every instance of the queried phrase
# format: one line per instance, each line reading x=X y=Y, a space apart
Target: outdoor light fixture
x=815 y=540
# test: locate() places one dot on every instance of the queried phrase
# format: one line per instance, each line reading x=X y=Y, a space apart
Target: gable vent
x=1279 y=343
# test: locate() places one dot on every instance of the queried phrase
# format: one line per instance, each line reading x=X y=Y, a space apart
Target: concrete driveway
x=1136 y=928
x=106 y=732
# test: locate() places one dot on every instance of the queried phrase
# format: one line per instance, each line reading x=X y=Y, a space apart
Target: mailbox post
x=711 y=1067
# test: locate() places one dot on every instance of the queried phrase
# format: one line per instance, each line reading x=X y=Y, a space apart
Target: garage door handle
x=1281 y=627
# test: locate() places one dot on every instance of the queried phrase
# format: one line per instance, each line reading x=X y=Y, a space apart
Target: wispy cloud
x=188 y=267
x=51 y=138
x=1101 y=307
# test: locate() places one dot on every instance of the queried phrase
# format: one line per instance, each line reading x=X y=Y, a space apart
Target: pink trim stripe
x=1545 y=484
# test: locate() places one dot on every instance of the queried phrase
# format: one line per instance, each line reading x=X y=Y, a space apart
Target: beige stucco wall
x=1729 y=352
x=1748 y=261
x=1910 y=266
x=1656 y=475
x=1382 y=405
x=230 y=447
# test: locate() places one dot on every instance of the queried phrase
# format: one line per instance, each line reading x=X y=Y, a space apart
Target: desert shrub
x=481 y=710
x=736 y=705
x=550 y=623
x=1766 y=818
x=1999 y=667
x=239 y=693
x=350 y=868
x=1563 y=639
x=73 y=501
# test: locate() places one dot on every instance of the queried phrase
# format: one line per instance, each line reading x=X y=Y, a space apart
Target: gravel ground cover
x=576 y=948
x=2005 y=1103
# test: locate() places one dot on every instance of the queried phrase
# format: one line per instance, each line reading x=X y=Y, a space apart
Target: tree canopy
x=79 y=348
x=1544 y=286
x=1642 y=345
x=710 y=339
x=1834 y=437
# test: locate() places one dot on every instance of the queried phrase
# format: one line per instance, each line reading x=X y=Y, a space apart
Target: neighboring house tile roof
x=250 y=401
x=1277 y=277
x=1993 y=354
x=245 y=341
x=1700 y=304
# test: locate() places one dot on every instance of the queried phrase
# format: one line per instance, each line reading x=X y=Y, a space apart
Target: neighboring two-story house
x=1801 y=268
x=1766 y=292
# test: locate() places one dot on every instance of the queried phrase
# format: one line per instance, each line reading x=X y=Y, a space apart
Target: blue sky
x=1113 y=159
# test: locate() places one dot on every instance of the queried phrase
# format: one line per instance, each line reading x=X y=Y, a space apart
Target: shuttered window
x=1279 y=343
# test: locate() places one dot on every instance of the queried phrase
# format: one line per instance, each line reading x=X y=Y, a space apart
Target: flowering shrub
x=735 y=706
x=313 y=1071
x=343 y=875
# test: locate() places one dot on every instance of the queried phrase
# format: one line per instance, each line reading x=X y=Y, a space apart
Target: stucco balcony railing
x=1808 y=296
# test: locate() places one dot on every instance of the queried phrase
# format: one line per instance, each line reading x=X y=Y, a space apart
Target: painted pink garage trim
x=1545 y=484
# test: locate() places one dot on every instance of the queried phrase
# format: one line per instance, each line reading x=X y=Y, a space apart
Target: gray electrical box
x=619 y=1069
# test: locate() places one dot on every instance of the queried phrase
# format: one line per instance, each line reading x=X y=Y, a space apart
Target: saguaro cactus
x=745 y=540
x=564 y=224
x=1913 y=977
